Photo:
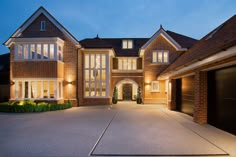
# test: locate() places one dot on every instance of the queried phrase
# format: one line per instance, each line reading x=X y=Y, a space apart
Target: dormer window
x=127 y=44
x=43 y=26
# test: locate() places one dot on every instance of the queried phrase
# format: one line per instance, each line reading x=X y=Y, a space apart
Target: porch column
x=200 y=97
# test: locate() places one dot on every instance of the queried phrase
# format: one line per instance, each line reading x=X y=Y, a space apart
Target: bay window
x=39 y=49
x=38 y=89
x=96 y=75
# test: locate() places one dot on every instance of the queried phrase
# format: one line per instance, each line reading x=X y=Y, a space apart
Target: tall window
x=42 y=26
x=160 y=56
x=96 y=75
x=127 y=44
x=155 y=86
x=127 y=63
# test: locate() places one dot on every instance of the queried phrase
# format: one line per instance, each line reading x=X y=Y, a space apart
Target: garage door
x=222 y=98
x=185 y=95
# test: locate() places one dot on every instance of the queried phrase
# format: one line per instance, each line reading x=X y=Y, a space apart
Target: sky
x=120 y=18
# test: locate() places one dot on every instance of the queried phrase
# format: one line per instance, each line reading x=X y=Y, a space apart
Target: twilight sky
x=120 y=18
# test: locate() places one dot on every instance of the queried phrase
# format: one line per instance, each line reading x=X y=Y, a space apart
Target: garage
x=185 y=95
x=222 y=98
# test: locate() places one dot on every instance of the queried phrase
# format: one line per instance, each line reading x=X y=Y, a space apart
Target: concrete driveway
x=125 y=129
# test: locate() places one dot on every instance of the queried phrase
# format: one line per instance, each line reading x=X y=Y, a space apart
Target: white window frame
x=162 y=52
x=153 y=85
x=52 y=45
x=126 y=44
x=36 y=80
x=124 y=63
x=43 y=26
x=107 y=69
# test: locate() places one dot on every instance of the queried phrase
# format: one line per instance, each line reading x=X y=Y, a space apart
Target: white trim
x=158 y=86
x=127 y=71
x=165 y=35
x=126 y=76
x=40 y=11
x=38 y=40
x=38 y=79
x=214 y=58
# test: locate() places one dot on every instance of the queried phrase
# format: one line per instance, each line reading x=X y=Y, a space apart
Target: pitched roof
x=138 y=43
x=116 y=44
x=37 y=13
x=182 y=40
x=221 y=38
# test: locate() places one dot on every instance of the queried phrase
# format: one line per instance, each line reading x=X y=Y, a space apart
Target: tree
x=115 y=96
x=139 y=96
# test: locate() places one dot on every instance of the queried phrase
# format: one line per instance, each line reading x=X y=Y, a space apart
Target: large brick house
x=50 y=64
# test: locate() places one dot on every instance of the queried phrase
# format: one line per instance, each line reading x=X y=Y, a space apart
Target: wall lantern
x=147 y=83
x=70 y=82
x=12 y=82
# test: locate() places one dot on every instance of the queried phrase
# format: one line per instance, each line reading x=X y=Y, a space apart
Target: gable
x=33 y=30
x=31 y=26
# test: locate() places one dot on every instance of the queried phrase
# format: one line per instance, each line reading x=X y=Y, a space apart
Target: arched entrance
x=127 y=90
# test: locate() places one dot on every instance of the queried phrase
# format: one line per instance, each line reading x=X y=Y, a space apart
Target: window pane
x=45 y=89
x=92 y=60
x=20 y=52
x=38 y=51
x=97 y=61
x=129 y=64
x=103 y=61
x=166 y=58
x=51 y=89
x=86 y=75
x=130 y=44
x=51 y=51
x=32 y=51
x=160 y=57
x=134 y=66
x=39 y=89
x=86 y=61
x=33 y=89
x=92 y=87
x=86 y=89
x=20 y=94
x=120 y=64
x=26 y=89
x=154 y=57
x=45 y=51
x=124 y=44
x=103 y=75
x=103 y=89
x=26 y=49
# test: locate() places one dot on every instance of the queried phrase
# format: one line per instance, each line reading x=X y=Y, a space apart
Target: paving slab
x=152 y=132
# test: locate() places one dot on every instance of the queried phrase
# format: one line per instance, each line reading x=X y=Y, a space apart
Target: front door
x=127 y=91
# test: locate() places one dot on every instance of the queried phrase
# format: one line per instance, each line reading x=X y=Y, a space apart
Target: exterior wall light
x=147 y=83
x=12 y=82
x=70 y=82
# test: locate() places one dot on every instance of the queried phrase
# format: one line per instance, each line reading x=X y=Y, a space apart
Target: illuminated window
x=35 y=89
x=95 y=75
x=127 y=44
x=160 y=56
x=38 y=51
x=127 y=63
x=155 y=86
x=42 y=26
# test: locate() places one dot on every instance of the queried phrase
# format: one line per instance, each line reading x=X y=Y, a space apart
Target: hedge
x=28 y=106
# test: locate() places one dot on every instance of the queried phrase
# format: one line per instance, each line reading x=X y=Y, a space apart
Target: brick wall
x=200 y=102
x=151 y=71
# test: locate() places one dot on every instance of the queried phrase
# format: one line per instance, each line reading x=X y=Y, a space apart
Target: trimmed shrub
x=25 y=106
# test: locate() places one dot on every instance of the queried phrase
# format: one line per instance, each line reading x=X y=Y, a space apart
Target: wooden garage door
x=222 y=98
x=185 y=95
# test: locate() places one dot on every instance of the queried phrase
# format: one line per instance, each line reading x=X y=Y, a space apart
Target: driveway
x=125 y=129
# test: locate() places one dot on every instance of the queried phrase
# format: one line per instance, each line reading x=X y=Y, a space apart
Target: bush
x=24 y=106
